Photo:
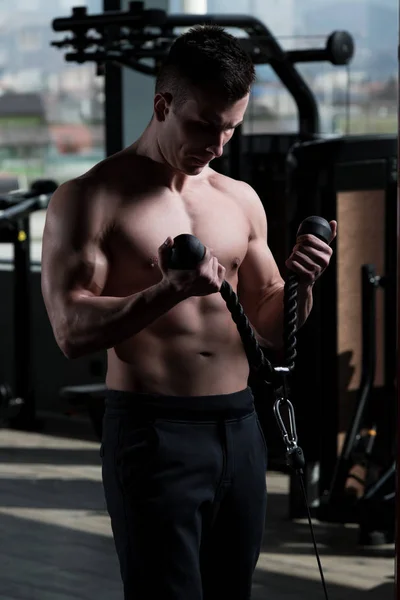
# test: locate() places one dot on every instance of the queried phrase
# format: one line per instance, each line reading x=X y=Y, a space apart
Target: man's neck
x=147 y=145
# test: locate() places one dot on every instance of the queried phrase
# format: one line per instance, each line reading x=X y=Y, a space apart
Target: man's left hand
x=311 y=256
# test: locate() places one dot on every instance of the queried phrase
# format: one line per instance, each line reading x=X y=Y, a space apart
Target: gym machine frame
x=374 y=509
x=321 y=169
x=17 y=402
x=135 y=37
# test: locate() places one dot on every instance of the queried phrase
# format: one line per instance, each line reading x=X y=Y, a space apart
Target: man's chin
x=197 y=170
x=193 y=168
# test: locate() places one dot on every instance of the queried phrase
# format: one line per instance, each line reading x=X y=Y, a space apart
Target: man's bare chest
x=142 y=226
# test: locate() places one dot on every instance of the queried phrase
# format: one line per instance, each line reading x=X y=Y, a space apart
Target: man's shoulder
x=235 y=188
x=246 y=197
x=112 y=175
x=88 y=188
x=111 y=167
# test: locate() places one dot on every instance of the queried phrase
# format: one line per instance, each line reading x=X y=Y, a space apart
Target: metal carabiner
x=282 y=392
x=294 y=454
x=289 y=437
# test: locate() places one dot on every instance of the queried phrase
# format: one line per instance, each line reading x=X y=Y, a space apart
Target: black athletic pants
x=184 y=482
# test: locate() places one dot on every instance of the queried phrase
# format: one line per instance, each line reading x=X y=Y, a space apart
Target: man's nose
x=217 y=145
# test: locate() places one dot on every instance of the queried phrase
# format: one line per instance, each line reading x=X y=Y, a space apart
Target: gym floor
x=56 y=541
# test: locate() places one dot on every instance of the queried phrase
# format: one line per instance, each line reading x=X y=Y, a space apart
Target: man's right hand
x=205 y=279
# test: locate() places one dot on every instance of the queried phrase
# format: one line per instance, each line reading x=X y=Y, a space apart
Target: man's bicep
x=258 y=278
x=71 y=258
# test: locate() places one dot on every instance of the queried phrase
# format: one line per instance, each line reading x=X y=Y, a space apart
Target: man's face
x=192 y=135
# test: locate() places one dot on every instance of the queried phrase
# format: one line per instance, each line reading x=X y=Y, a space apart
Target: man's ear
x=162 y=105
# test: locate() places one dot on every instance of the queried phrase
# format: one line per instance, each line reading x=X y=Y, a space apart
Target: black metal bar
x=113 y=105
x=82 y=21
x=376 y=487
x=23 y=387
x=131 y=63
x=329 y=320
x=303 y=56
x=390 y=284
x=235 y=156
x=110 y=5
x=20 y=210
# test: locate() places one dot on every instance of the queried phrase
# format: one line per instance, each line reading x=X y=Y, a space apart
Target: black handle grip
x=316 y=226
x=43 y=186
x=188 y=251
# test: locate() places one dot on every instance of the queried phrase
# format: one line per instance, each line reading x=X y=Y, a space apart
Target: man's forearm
x=304 y=303
x=92 y=323
x=271 y=315
x=269 y=325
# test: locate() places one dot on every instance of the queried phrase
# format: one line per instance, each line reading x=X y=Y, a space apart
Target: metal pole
x=23 y=387
x=113 y=121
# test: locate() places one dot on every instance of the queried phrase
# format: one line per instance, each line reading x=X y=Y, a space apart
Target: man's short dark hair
x=207 y=58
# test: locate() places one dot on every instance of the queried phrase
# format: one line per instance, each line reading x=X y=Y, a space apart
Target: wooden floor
x=56 y=544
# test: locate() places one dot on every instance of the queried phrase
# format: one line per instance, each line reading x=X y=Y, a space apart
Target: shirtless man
x=183 y=456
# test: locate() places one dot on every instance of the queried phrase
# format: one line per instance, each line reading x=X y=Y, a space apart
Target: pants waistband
x=226 y=406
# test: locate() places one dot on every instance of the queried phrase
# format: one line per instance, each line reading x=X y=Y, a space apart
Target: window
x=360 y=98
x=29 y=41
x=28 y=5
x=51 y=111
